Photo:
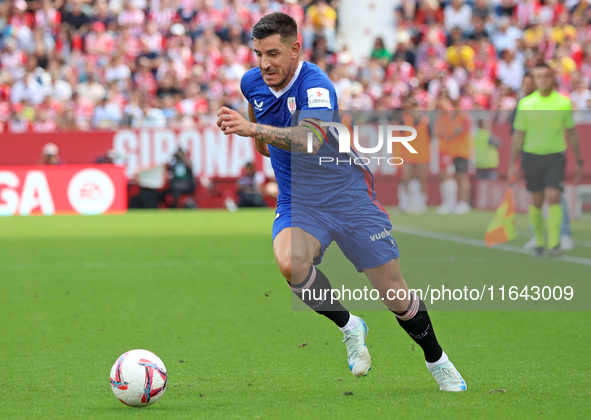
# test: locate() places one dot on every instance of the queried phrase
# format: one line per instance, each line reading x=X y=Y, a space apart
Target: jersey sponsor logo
x=258 y=106
x=377 y=236
x=291 y=104
x=318 y=98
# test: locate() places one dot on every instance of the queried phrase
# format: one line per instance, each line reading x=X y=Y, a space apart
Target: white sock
x=402 y=197
x=441 y=361
x=451 y=192
x=352 y=323
x=415 y=194
x=443 y=192
x=423 y=201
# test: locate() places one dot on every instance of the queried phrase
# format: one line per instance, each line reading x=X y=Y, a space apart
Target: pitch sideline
x=479 y=243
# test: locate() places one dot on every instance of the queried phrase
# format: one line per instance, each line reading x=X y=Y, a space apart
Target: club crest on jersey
x=291 y=104
x=258 y=106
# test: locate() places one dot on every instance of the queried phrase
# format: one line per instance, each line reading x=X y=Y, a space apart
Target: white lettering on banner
x=145 y=155
x=190 y=141
x=242 y=152
x=164 y=146
x=216 y=153
x=91 y=191
x=125 y=144
x=8 y=196
x=35 y=194
x=212 y=153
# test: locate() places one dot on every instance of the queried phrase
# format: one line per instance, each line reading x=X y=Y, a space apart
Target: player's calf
x=315 y=291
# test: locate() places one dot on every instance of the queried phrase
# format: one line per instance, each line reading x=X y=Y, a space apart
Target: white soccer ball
x=138 y=378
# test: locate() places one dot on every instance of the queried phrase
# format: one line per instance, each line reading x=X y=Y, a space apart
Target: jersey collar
x=290 y=84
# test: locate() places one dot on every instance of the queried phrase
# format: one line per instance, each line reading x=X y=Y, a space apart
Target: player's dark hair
x=276 y=23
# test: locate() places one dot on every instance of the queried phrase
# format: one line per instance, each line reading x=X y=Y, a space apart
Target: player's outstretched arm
x=260 y=147
x=294 y=139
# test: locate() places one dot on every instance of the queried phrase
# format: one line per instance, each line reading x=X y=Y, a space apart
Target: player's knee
x=294 y=268
x=285 y=268
x=552 y=195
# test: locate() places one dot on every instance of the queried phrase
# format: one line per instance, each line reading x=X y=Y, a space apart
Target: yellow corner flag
x=502 y=227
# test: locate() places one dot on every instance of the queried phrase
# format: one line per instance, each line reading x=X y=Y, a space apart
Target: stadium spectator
x=138 y=44
x=457 y=14
x=459 y=54
x=50 y=155
x=250 y=187
x=181 y=181
x=91 y=90
x=322 y=21
x=27 y=89
x=510 y=70
x=581 y=97
x=108 y=158
x=76 y=21
x=506 y=35
x=107 y=114
x=380 y=53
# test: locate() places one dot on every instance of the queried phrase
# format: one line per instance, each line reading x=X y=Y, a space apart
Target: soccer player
x=453 y=127
x=540 y=123
x=334 y=202
x=416 y=165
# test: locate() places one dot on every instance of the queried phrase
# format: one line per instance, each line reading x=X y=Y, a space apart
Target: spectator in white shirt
x=506 y=36
x=581 y=96
x=457 y=15
x=444 y=81
x=510 y=71
x=107 y=115
x=153 y=117
x=61 y=90
x=118 y=72
x=91 y=90
x=581 y=99
x=27 y=89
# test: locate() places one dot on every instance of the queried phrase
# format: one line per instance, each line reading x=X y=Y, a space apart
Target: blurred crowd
x=473 y=55
x=97 y=64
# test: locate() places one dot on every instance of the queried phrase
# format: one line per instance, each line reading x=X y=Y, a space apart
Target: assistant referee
x=540 y=123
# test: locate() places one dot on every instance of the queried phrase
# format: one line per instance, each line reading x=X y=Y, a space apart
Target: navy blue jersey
x=301 y=179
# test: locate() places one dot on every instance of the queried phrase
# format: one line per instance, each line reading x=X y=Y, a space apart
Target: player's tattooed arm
x=294 y=139
x=259 y=146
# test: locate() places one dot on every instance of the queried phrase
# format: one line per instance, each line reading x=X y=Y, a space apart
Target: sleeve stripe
x=323 y=138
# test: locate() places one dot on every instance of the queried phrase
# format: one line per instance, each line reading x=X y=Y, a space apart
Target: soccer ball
x=138 y=378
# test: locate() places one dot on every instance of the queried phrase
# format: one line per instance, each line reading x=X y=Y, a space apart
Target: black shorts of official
x=543 y=171
x=461 y=164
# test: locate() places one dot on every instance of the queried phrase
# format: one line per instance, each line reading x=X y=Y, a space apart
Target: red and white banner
x=62 y=189
x=215 y=155
x=212 y=153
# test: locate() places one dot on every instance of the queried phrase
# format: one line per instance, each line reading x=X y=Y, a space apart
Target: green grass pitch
x=200 y=289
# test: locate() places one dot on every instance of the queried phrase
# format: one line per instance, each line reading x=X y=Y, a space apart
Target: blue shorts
x=362 y=231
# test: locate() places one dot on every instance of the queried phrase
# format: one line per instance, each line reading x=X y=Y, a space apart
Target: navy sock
x=315 y=291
